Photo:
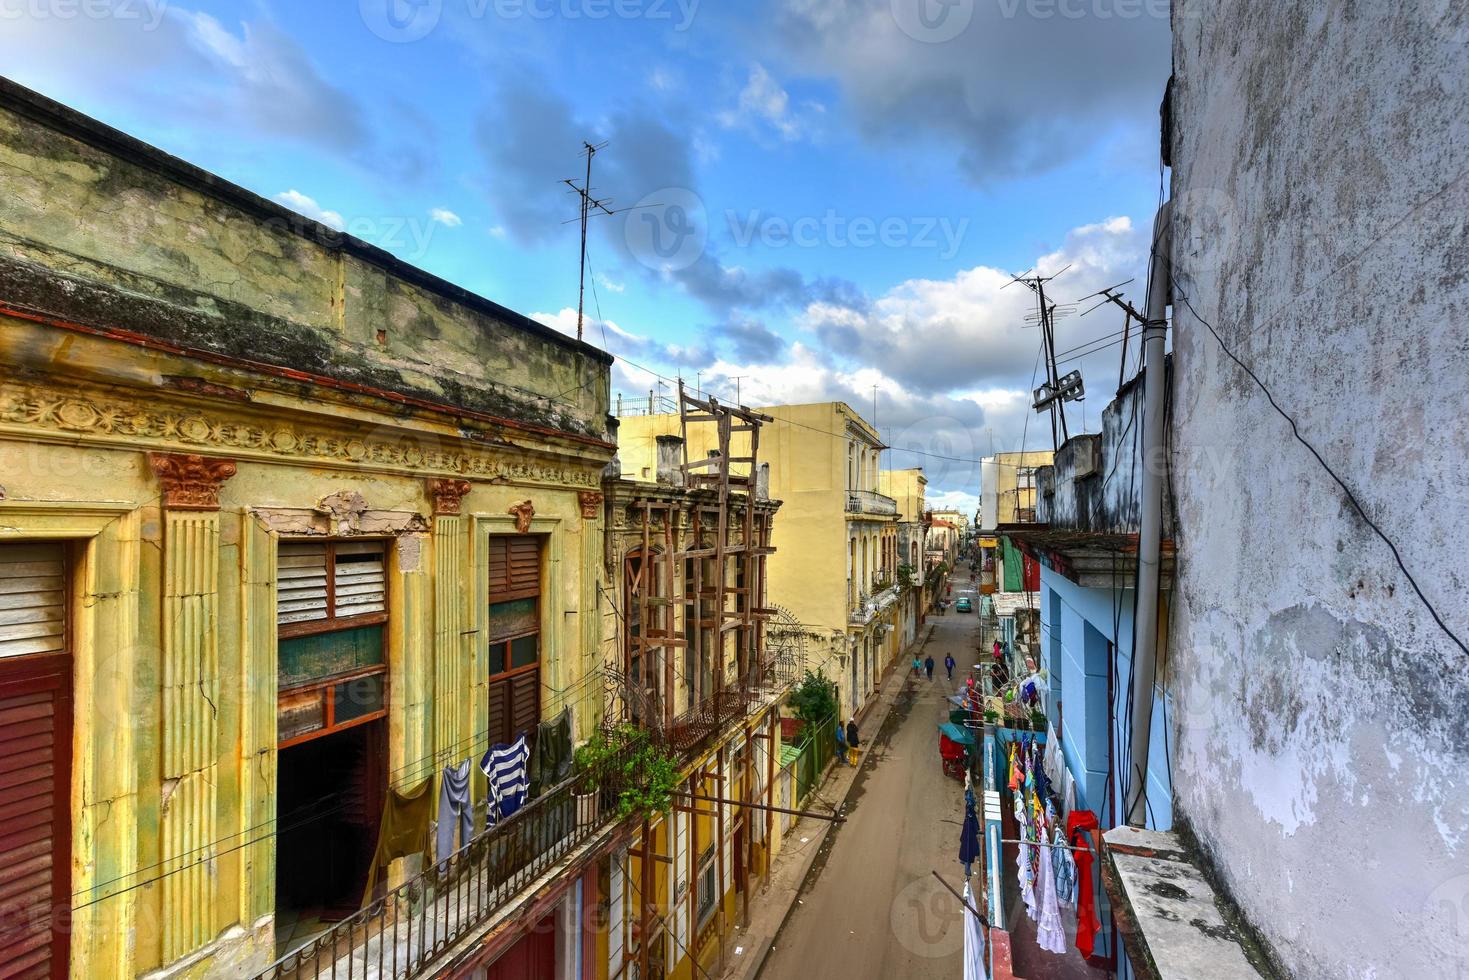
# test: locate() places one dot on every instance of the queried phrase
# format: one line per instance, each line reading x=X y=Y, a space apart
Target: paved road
x=871 y=907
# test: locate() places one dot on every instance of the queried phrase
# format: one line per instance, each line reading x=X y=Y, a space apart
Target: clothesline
x=1033 y=843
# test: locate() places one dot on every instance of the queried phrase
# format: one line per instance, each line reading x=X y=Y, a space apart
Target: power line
x=1351 y=497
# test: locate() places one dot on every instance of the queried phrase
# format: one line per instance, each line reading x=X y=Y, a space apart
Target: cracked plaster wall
x=1321 y=739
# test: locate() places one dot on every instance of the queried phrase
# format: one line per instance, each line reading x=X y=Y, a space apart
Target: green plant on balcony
x=644 y=774
x=905 y=576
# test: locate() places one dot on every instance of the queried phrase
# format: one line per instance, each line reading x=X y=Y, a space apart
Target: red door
x=533 y=957
x=35 y=763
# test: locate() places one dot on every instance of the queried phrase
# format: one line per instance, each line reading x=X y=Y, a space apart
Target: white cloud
x=608 y=284
x=302 y=204
x=498 y=231
x=763 y=100
x=445 y=217
x=565 y=321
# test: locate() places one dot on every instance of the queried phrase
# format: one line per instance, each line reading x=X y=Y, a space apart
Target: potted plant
x=589 y=763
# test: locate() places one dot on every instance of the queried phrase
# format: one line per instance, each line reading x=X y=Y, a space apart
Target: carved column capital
x=191 y=482
x=522 y=512
x=591 y=503
x=447 y=495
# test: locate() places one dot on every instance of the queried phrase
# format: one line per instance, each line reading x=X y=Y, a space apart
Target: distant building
x=907 y=488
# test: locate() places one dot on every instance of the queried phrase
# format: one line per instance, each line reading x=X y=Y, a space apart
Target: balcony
x=871 y=605
x=871 y=502
x=434 y=918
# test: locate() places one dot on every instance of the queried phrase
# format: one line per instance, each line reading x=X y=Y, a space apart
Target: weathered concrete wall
x=1322 y=724
x=1095 y=483
x=103 y=229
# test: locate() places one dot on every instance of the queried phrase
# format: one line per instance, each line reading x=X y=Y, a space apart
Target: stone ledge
x=1174 y=926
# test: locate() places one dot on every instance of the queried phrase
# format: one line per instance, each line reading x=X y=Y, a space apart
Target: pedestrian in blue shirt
x=841 y=743
x=928 y=667
x=949 y=664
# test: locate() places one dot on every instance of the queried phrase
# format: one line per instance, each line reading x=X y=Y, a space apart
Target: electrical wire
x=1345 y=489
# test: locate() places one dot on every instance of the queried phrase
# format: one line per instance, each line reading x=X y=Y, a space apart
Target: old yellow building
x=824 y=468
x=695 y=654
x=908 y=489
x=286 y=526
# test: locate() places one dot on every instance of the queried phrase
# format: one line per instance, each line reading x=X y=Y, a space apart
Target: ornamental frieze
x=172 y=429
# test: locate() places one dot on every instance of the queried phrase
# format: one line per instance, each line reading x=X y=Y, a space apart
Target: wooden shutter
x=359 y=582
x=301 y=582
x=515 y=566
x=35 y=762
x=32 y=600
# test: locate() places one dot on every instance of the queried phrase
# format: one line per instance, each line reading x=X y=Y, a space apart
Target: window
x=331 y=611
x=644 y=636
x=708 y=897
x=514 y=636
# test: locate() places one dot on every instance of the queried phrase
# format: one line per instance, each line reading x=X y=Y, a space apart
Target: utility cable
x=1351 y=497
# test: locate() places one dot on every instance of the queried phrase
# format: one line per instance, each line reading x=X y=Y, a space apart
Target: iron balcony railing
x=403 y=933
x=870 y=502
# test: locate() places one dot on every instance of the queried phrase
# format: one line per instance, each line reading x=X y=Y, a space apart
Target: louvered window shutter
x=32 y=600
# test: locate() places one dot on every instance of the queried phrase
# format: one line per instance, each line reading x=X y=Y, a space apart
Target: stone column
x=189 y=715
x=452 y=681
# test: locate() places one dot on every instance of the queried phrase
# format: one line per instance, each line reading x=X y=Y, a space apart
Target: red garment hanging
x=1077 y=825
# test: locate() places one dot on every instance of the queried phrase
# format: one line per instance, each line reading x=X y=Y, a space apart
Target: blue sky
x=827 y=193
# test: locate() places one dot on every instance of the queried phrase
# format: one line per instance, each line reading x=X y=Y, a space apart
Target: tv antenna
x=1053 y=395
x=589 y=205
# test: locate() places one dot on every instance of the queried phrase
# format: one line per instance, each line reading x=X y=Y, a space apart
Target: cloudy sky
x=822 y=195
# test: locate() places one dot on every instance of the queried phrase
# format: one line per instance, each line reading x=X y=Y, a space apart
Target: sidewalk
x=808 y=840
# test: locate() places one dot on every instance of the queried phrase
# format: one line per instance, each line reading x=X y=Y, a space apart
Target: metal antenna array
x=1129 y=314
x=589 y=204
x=1057 y=390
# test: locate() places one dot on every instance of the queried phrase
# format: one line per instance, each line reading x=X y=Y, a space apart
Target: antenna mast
x=588 y=205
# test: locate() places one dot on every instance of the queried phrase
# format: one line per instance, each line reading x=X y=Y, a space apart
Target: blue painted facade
x=1079 y=628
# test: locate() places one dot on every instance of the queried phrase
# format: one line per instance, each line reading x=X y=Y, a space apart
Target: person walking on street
x=916 y=665
x=841 y=743
x=928 y=667
x=852 y=740
x=949 y=664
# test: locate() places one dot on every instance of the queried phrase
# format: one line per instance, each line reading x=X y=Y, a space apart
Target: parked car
x=964 y=605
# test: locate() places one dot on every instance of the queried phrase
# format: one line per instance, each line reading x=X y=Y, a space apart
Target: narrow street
x=870 y=906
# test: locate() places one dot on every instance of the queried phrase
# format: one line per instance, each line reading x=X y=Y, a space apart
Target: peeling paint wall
x=1321 y=731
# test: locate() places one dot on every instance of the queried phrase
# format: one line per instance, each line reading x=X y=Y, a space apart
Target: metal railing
x=406 y=930
x=870 y=502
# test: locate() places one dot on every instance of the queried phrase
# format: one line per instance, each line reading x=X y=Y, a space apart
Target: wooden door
x=35 y=762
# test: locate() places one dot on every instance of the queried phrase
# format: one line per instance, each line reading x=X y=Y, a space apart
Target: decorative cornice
x=591 y=503
x=37 y=412
x=191 y=482
x=447 y=494
x=522 y=512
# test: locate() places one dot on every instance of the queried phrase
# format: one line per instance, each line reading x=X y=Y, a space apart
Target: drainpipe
x=1145 y=622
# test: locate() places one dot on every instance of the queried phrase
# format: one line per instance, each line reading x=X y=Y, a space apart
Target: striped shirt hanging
x=506 y=767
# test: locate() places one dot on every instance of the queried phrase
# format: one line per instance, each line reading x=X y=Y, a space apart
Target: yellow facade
x=1015 y=484
x=209 y=381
